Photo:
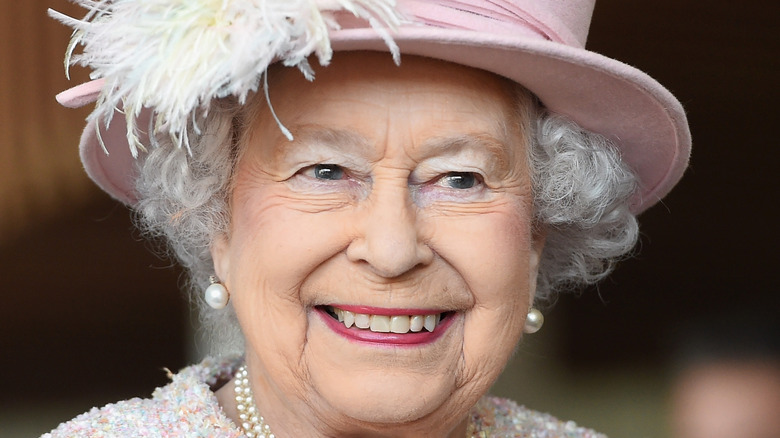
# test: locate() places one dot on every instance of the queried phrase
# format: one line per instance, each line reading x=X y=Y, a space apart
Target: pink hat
x=536 y=43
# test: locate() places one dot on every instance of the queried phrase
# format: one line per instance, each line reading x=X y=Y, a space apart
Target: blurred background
x=90 y=315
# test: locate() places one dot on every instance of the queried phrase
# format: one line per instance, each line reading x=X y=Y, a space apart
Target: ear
x=220 y=250
x=537 y=247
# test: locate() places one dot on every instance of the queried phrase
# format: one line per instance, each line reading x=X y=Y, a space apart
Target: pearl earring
x=216 y=295
x=533 y=321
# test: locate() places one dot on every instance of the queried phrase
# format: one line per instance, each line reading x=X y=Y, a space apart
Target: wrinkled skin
x=425 y=203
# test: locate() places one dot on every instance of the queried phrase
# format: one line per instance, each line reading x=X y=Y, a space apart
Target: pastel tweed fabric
x=187 y=407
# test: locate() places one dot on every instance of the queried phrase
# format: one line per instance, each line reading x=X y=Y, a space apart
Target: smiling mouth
x=399 y=324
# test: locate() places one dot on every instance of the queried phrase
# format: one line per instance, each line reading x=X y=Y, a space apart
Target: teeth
x=388 y=324
x=349 y=318
x=399 y=324
x=362 y=320
x=380 y=324
x=430 y=322
x=416 y=323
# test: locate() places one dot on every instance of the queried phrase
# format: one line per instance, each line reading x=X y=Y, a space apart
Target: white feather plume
x=174 y=56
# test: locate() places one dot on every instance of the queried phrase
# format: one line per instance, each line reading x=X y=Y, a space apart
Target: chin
x=380 y=397
x=384 y=385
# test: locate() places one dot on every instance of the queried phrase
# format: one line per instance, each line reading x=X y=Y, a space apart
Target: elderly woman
x=373 y=239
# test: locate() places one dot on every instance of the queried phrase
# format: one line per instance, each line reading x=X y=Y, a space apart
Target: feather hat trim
x=175 y=56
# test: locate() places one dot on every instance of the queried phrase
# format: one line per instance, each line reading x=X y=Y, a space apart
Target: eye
x=459 y=180
x=331 y=172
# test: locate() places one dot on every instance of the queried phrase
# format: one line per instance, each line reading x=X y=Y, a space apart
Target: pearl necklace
x=251 y=421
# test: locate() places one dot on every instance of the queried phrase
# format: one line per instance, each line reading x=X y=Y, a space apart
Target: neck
x=308 y=423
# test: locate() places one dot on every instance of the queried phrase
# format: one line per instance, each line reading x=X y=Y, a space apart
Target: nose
x=389 y=241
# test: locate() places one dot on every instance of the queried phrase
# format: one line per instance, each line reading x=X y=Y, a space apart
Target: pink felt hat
x=536 y=43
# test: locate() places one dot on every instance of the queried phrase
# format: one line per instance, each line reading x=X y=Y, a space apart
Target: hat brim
x=602 y=95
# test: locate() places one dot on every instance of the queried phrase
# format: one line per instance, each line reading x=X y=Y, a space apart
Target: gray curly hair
x=581 y=187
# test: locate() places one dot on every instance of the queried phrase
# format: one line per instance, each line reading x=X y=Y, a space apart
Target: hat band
x=498 y=17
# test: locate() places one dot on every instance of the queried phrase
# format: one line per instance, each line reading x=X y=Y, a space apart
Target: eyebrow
x=497 y=152
x=337 y=139
x=350 y=142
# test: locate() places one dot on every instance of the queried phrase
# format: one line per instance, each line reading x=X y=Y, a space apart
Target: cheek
x=492 y=253
x=491 y=250
x=284 y=242
x=273 y=248
x=494 y=259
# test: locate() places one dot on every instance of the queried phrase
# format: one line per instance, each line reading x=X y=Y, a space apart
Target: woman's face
x=403 y=201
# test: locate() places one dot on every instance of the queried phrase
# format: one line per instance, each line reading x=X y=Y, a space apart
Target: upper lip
x=387 y=311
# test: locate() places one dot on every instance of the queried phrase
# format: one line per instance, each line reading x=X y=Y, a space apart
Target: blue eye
x=330 y=172
x=460 y=180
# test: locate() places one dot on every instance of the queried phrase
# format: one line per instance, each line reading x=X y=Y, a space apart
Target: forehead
x=367 y=99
